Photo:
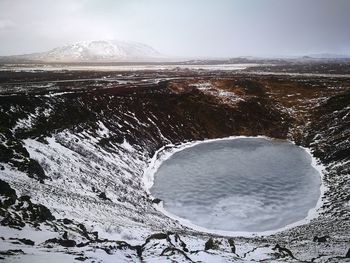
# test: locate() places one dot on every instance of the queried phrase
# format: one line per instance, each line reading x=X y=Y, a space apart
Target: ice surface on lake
x=245 y=184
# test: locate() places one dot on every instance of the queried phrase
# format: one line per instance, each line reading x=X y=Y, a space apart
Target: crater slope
x=74 y=147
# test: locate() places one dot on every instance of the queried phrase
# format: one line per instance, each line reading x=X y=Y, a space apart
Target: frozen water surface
x=245 y=184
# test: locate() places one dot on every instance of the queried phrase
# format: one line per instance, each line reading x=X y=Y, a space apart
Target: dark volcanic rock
x=41 y=213
x=8 y=192
x=157 y=236
x=81 y=258
x=211 y=244
x=36 y=171
x=62 y=242
x=16 y=211
x=156 y=200
x=103 y=196
x=284 y=251
x=12 y=252
x=26 y=241
x=67 y=243
x=5 y=153
x=348 y=254
x=67 y=221
x=16 y=223
x=231 y=242
x=321 y=239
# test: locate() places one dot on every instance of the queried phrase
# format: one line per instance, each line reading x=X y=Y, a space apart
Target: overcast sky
x=209 y=28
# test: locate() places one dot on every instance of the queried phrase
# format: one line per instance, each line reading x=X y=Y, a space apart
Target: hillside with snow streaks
x=73 y=156
x=96 y=51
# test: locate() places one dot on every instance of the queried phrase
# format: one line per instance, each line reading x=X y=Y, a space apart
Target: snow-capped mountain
x=101 y=50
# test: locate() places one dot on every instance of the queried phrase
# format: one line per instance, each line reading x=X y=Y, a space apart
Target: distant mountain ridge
x=94 y=51
x=100 y=51
x=329 y=56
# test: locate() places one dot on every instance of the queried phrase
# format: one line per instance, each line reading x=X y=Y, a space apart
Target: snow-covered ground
x=98 y=150
x=150 y=67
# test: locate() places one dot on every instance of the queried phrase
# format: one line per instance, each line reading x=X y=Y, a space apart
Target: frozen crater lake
x=243 y=184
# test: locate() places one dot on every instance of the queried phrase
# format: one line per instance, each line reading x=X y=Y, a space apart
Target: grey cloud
x=181 y=27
